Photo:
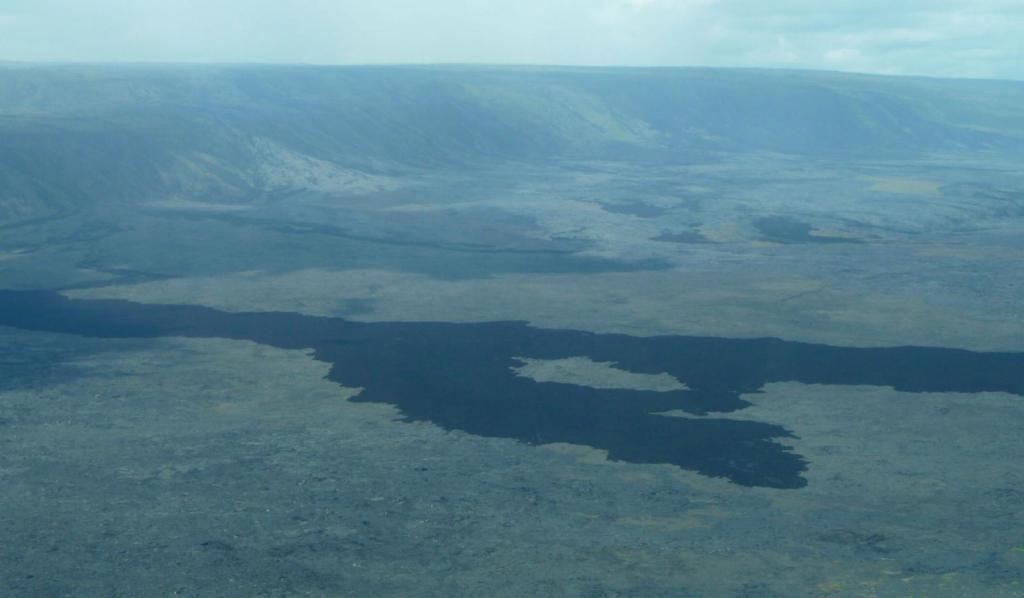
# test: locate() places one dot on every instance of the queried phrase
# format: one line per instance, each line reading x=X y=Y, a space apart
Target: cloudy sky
x=963 y=38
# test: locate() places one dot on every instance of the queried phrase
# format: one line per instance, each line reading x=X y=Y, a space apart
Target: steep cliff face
x=230 y=133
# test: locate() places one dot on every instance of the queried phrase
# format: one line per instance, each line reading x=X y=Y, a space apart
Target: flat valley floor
x=216 y=466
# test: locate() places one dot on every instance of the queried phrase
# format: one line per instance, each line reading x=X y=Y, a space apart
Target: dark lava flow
x=458 y=376
x=780 y=229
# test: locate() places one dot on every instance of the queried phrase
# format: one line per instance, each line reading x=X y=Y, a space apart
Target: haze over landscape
x=945 y=38
x=629 y=327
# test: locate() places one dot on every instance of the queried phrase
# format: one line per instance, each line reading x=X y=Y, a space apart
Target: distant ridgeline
x=460 y=376
x=70 y=133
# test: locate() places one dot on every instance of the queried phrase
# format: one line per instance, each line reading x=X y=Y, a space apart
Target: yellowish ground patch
x=903 y=186
x=198 y=206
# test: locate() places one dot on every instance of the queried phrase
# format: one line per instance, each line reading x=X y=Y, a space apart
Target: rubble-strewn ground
x=226 y=468
x=229 y=468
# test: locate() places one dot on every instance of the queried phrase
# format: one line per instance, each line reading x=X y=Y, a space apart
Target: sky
x=948 y=38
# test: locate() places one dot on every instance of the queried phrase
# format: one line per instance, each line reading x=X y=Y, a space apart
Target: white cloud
x=939 y=37
x=842 y=55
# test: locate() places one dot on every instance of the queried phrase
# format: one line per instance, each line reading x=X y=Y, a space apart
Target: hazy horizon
x=938 y=39
x=488 y=65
